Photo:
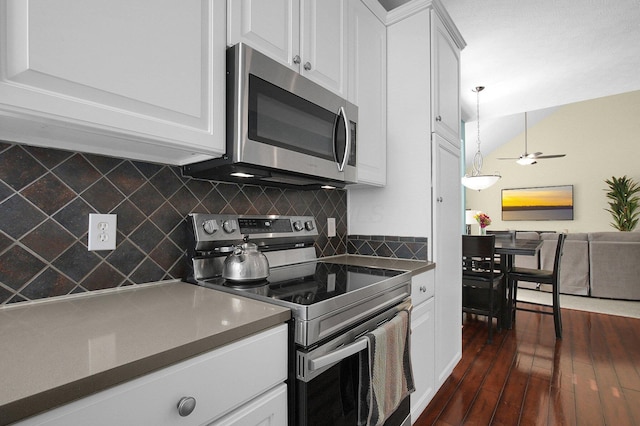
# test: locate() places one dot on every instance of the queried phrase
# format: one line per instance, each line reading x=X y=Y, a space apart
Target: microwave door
x=341 y=139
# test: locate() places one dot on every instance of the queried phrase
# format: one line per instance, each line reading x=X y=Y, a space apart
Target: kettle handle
x=237 y=249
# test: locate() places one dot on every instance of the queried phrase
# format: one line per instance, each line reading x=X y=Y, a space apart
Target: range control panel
x=263 y=226
x=214 y=230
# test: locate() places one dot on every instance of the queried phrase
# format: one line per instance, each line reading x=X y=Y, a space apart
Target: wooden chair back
x=478 y=253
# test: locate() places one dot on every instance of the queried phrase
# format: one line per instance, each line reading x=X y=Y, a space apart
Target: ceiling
x=538 y=55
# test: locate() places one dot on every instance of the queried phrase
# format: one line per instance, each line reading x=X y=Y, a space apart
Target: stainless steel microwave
x=282 y=128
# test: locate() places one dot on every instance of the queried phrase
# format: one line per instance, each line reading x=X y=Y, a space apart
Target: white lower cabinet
x=269 y=409
x=422 y=341
x=447 y=252
x=240 y=383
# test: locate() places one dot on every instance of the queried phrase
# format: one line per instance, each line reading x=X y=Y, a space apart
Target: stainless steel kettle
x=246 y=263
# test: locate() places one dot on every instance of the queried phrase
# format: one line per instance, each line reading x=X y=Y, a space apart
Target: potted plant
x=624 y=201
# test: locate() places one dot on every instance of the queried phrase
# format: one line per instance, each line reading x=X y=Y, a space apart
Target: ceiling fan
x=526 y=158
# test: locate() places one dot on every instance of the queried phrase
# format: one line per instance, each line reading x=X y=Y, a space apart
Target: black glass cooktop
x=309 y=283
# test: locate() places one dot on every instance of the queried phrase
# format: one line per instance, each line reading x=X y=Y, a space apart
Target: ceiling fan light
x=525 y=161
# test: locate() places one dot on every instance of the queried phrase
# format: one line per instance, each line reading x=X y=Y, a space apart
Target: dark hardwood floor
x=527 y=377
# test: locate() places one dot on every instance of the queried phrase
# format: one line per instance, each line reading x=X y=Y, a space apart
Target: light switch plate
x=102 y=231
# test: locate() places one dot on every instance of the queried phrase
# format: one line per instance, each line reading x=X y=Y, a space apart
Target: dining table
x=508 y=249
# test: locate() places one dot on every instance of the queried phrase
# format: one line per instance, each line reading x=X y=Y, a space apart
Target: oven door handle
x=339 y=354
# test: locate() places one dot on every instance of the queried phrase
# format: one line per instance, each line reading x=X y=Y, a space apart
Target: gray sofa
x=598 y=264
x=614 y=262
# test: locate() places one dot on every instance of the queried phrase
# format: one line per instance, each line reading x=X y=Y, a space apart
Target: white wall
x=403 y=206
x=601 y=138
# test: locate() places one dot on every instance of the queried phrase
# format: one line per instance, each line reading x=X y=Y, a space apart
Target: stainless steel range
x=333 y=305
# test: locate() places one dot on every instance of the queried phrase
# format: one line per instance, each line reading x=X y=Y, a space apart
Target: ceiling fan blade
x=551 y=156
x=527 y=159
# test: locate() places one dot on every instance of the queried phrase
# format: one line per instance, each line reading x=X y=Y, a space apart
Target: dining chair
x=501 y=236
x=481 y=282
x=542 y=276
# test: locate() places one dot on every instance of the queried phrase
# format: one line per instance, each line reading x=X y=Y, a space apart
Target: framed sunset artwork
x=538 y=203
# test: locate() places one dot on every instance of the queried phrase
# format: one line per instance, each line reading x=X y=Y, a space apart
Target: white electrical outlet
x=331 y=227
x=102 y=231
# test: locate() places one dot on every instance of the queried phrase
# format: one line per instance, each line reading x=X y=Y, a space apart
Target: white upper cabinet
x=368 y=90
x=445 y=75
x=308 y=36
x=142 y=79
x=272 y=27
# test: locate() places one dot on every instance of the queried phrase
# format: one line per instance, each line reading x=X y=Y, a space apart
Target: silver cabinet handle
x=307 y=66
x=296 y=59
x=423 y=289
x=439 y=199
x=186 y=405
x=438 y=118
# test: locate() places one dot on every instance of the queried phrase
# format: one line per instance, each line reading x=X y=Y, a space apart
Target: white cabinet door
x=447 y=253
x=135 y=70
x=269 y=409
x=445 y=75
x=323 y=44
x=368 y=90
x=220 y=381
x=422 y=356
x=308 y=36
x=271 y=27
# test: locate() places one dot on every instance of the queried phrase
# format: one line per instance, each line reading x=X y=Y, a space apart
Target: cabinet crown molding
x=448 y=23
x=412 y=7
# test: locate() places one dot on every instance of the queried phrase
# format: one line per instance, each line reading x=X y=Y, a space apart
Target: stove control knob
x=210 y=226
x=309 y=225
x=229 y=226
x=297 y=225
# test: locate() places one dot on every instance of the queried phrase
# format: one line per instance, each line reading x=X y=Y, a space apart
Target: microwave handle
x=339 y=354
x=347 y=148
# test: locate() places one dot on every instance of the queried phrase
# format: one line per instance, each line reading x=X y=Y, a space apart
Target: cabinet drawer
x=422 y=287
x=269 y=409
x=220 y=381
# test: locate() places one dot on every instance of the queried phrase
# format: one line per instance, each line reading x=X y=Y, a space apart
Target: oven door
x=328 y=379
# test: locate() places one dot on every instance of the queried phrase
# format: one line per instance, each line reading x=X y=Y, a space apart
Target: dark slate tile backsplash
x=46 y=196
x=414 y=248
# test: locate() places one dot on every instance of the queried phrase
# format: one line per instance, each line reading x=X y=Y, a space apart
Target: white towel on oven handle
x=386 y=377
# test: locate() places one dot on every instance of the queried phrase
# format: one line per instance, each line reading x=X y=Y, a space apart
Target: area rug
x=623 y=308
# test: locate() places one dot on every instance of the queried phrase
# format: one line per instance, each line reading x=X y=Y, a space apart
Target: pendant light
x=477 y=180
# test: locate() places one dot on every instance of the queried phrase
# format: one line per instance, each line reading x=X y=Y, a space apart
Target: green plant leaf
x=624 y=202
